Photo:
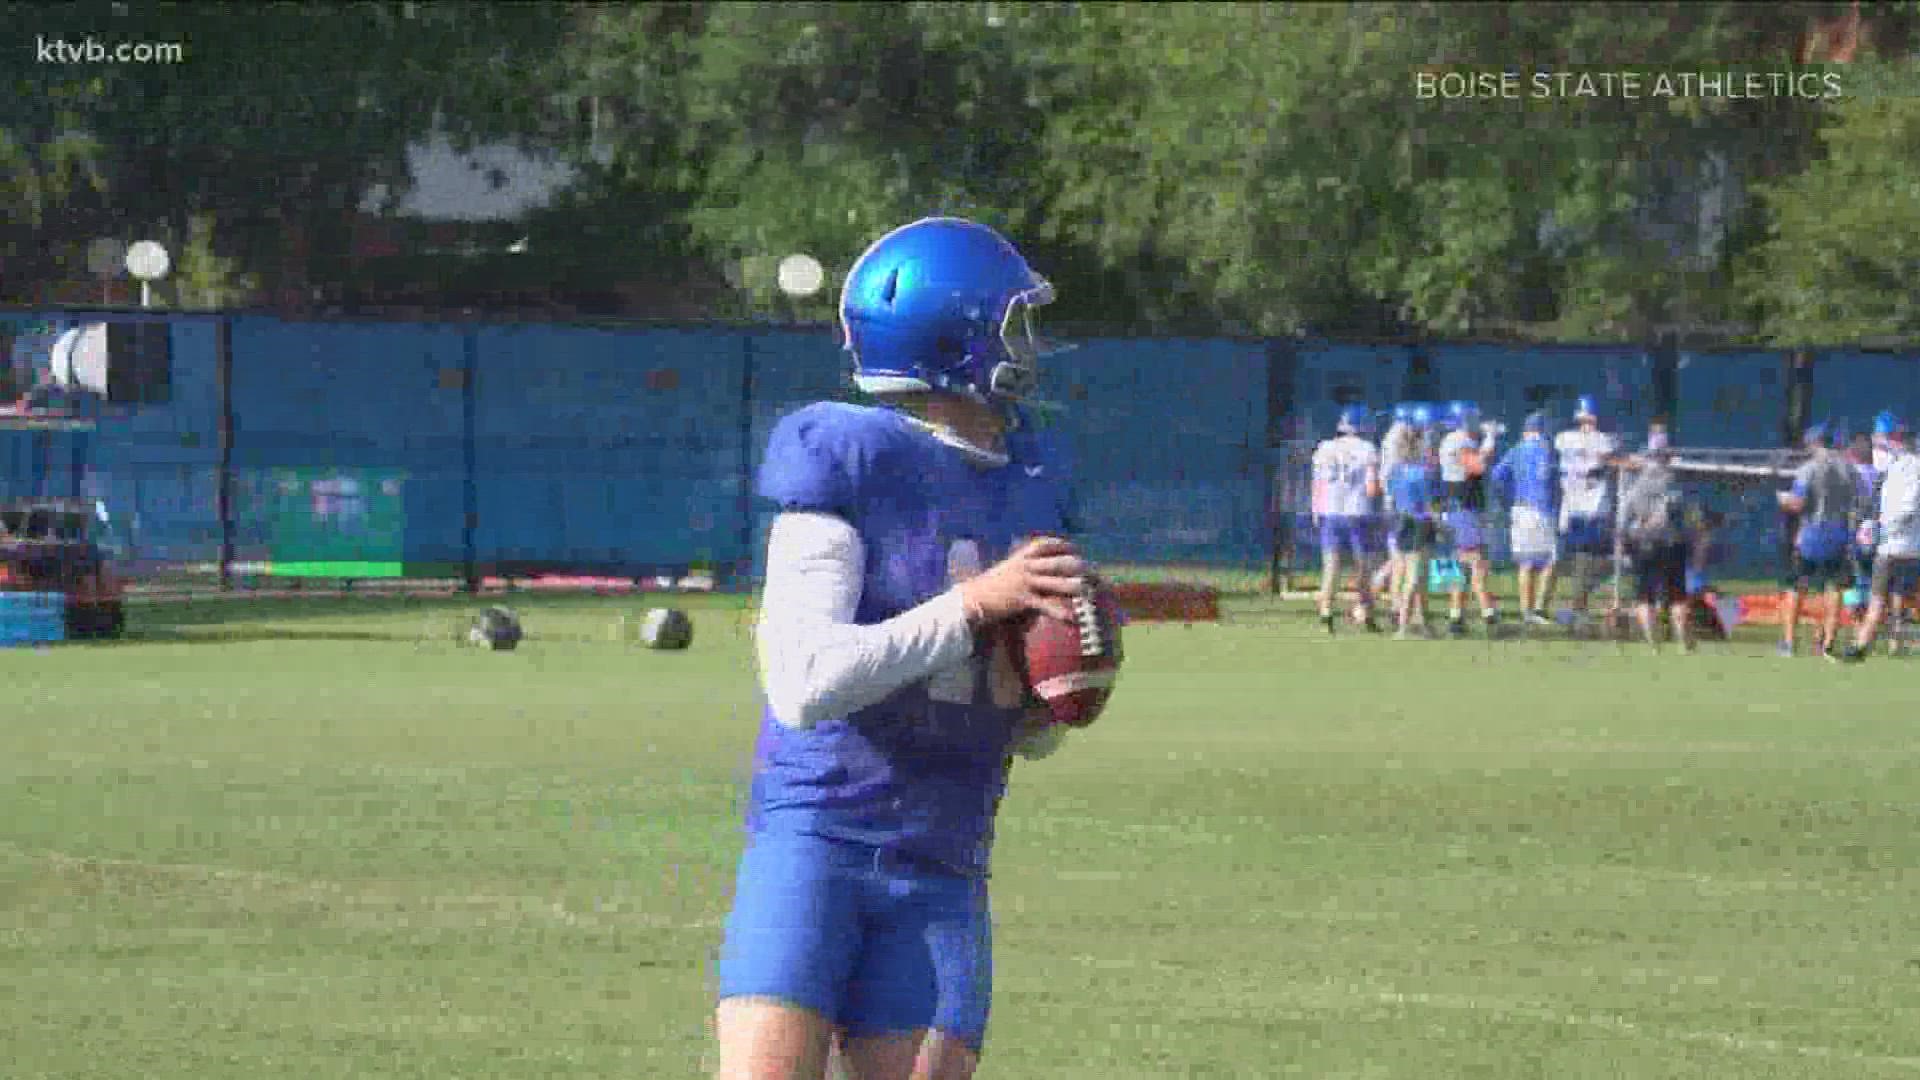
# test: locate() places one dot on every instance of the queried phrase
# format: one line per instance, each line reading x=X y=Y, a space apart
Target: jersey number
x=1350 y=476
x=956 y=685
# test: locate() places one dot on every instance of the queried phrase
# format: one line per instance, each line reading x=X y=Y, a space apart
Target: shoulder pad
x=819 y=456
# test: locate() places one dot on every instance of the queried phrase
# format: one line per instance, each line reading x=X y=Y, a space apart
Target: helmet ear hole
x=892 y=288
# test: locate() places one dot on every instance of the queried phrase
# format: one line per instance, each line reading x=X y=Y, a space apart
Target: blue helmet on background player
x=1420 y=415
x=1463 y=414
x=1403 y=413
x=1586 y=408
x=1354 y=420
x=943 y=304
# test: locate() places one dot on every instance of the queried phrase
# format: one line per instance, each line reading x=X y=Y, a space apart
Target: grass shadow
x=231 y=635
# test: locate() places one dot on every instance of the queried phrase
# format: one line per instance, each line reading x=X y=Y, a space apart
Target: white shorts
x=1534 y=537
x=1902 y=543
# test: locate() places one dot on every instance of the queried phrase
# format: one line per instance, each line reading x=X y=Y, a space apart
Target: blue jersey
x=921 y=773
x=1527 y=475
x=1414 y=486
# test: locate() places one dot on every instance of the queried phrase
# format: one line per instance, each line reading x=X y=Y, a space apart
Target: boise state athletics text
x=1539 y=85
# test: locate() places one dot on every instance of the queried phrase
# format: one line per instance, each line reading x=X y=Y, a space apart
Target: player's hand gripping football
x=1042 y=575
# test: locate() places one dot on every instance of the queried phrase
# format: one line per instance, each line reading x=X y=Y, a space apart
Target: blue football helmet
x=944 y=304
x=1463 y=414
x=1354 y=420
x=1421 y=416
x=1887 y=423
x=1403 y=413
x=1585 y=408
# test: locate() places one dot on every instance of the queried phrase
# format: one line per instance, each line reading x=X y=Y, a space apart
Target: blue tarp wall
x=627 y=448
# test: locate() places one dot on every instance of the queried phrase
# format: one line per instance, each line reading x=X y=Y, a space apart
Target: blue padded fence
x=628 y=450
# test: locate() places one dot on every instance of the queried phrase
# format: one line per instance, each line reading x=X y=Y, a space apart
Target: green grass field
x=317 y=840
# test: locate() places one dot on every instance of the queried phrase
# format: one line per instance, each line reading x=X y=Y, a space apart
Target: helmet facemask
x=1017 y=375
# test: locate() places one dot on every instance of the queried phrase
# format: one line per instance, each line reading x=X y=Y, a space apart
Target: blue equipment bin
x=32 y=618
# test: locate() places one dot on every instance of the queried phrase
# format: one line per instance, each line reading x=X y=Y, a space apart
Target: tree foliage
x=1252 y=167
x=1258 y=167
x=1844 y=238
x=277 y=118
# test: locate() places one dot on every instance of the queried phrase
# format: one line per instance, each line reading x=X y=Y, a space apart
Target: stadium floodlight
x=149 y=262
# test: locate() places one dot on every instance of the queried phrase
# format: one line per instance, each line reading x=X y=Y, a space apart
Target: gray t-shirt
x=1830 y=486
x=1650 y=511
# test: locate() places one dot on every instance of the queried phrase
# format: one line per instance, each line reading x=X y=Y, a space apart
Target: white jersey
x=1900 y=506
x=1453 y=456
x=1342 y=469
x=1585 y=481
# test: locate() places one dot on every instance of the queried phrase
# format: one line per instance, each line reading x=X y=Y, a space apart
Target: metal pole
x=42 y=462
x=1282 y=368
x=223 y=477
x=470 y=482
x=80 y=448
x=748 y=361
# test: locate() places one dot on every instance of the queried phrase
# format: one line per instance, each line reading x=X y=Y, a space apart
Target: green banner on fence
x=340 y=523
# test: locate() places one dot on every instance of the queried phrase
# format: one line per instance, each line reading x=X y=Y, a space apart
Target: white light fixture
x=149 y=262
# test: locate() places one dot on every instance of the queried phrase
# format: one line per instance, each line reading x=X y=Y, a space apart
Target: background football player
x=1464 y=452
x=1896 y=560
x=1658 y=529
x=1416 y=499
x=1587 y=456
x=860 y=922
x=1525 y=479
x=1825 y=494
x=1860 y=450
x=1395 y=446
x=1346 y=484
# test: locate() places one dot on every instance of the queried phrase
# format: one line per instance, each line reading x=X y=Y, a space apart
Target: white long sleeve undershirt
x=817 y=664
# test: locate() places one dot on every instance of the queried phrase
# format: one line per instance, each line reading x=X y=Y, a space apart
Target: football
x=1069 y=666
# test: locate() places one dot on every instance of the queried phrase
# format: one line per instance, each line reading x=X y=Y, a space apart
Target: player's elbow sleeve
x=786 y=678
x=818 y=670
x=812 y=680
x=808 y=671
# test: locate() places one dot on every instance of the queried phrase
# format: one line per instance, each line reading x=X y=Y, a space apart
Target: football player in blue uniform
x=1525 y=480
x=1395 y=445
x=908 y=534
x=1413 y=484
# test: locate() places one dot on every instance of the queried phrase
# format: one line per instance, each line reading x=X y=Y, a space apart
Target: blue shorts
x=1346 y=536
x=1818 y=571
x=876 y=946
x=1463 y=531
x=1584 y=535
